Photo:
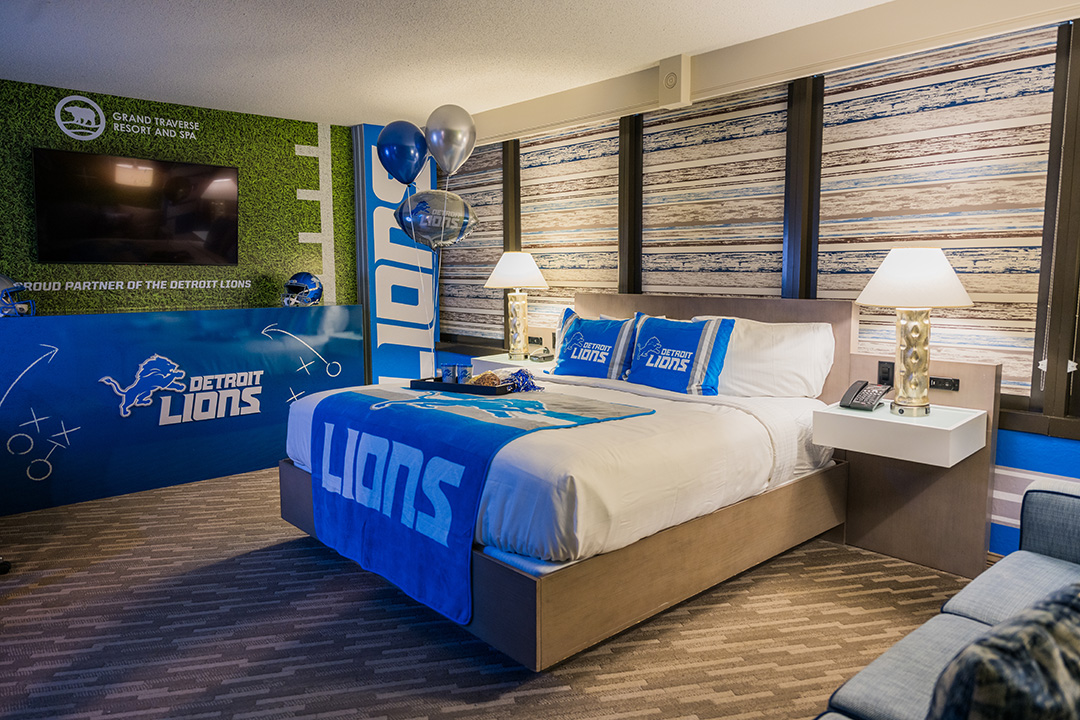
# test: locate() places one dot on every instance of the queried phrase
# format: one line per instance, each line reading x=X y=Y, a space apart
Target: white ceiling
x=354 y=61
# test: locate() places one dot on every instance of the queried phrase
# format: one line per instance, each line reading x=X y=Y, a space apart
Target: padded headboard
x=841 y=314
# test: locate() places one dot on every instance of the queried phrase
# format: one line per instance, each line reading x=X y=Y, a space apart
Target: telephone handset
x=863 y=395
x=541 y=355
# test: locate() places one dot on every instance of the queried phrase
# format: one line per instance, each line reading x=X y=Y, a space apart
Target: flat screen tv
x=107 y=209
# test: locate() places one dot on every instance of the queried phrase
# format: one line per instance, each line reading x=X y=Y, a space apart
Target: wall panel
x=569 y=214
x=714 y=196
x=945 y=148
x=466 y=308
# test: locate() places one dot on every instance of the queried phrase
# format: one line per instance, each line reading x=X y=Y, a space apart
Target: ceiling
x=353 y=61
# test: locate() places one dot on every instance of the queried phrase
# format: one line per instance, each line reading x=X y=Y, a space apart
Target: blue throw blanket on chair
x=397 y=477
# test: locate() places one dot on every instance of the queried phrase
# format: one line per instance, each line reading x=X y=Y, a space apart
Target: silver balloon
x=450 y=135
x=435 y=218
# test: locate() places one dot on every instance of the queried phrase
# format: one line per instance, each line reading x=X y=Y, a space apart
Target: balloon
x=435 y=218
x=402 y=150
x=450 y=135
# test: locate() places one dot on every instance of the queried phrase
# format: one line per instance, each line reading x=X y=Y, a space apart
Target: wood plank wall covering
x=466 y=308
x=569 y=215
x=713 y=182
x=945 y=148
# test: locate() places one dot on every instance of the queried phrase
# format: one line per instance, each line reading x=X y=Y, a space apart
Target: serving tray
x=441 y=386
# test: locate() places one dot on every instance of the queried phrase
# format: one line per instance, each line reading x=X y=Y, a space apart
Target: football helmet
x=11 y=305
x=302 y=289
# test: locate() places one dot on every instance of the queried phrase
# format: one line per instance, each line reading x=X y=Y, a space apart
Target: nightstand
x=918 y=488
x=943 y=438
x=502 y=360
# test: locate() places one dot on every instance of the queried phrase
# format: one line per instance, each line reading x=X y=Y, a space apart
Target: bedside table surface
x=943 y=438
x=484 y=363
x=941 y=417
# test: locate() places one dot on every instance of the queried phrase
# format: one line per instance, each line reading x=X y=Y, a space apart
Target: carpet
x=198 y=601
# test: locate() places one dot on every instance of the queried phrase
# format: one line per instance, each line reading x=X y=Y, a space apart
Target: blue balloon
x=402 y=150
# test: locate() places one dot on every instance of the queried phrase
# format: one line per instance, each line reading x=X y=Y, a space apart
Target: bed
x=541 y=612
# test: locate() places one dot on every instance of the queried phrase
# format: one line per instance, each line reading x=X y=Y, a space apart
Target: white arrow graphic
x=272 y=327
x=51 y=354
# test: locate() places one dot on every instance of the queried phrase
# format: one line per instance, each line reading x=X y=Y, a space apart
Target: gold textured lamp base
x=519 y=325
x=912 y=373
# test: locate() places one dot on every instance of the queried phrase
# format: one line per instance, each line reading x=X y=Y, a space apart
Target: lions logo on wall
x=155 y=373
x=203 y=397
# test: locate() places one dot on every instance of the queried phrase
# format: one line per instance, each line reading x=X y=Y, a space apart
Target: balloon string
x=420 y=268
x=435 y=302
x=438 y=259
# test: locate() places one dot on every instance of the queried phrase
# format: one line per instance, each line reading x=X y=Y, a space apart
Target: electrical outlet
x=884 y=373
x=536 y=340
x=940 y=383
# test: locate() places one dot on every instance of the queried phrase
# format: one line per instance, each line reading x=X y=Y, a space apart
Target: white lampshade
x=516 y=270
x=915 y=277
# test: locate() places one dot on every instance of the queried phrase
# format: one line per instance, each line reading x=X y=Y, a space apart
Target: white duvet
x=570 y=493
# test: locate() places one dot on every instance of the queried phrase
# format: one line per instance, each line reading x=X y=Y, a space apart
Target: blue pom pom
x=522 y=381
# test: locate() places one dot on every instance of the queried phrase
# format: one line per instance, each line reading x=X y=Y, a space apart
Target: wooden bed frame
x=539 y=621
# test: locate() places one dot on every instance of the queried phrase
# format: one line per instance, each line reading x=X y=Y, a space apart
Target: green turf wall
x=271 y=217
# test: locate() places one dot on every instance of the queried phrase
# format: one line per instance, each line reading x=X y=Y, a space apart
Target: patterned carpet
x=198 y=601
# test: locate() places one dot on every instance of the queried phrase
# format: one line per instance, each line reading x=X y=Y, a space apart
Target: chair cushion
x=900 y=683
x=1013 y=584
x=1026 y=668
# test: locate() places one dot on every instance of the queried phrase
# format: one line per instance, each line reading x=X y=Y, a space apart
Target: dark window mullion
x=511 y=191
x=802 y=186
x=631 y=172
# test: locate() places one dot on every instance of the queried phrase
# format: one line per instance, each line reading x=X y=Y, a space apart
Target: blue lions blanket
x=397 y=477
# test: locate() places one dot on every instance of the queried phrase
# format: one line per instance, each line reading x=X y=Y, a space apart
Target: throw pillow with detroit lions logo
x=680 y=355
x=594 y=348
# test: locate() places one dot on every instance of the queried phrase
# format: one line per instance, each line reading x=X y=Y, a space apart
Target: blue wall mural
x=570 y=215
x=946 y=148
x=466 y=307
x=713 y=200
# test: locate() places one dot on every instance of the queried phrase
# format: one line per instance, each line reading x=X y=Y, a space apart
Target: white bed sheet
x=570 y=493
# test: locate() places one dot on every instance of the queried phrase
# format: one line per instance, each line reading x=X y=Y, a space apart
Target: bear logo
x=86 y=120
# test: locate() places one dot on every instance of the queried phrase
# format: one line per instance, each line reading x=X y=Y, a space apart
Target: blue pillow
x=594 y=348
x=680 y=355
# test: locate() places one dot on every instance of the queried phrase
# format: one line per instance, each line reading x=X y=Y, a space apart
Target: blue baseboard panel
x=1004 y=539
x=1038 y=453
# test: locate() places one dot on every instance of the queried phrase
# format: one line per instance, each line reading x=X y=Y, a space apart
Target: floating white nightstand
x=943 y=438
x=494 y=362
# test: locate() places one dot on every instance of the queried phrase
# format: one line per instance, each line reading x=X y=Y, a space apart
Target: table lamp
x=517 y=270
x=913 y=280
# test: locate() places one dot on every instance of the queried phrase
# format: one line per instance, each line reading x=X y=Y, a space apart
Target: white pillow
x=776 y=359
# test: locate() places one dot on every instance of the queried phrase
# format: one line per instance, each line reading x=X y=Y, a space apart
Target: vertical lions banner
x=397 y=276
x=98 y=405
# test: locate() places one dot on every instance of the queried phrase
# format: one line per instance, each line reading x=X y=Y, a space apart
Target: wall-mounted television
x=108 y=209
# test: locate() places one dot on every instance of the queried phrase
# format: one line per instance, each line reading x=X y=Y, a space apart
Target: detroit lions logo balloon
x=436 y=218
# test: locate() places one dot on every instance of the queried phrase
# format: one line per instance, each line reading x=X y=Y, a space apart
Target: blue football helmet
x=302 y=289
x=11 y=305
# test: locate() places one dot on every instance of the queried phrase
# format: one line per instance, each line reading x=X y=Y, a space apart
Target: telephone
x=541 y=355
x=863 y=395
